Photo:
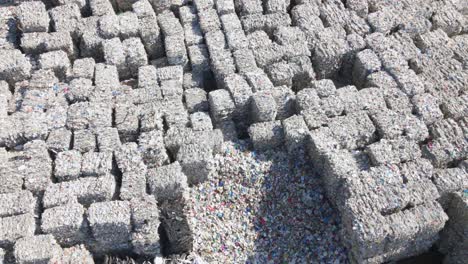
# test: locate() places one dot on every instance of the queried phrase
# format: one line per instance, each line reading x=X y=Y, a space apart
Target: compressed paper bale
x=263 y=107
x=151 y=37
x=175 y=50
x=201 y=121
x=196 y=100
x=167 y=182
x=448 y=181
x=110 y=223
x=151 y=118
x=449 y=20
x=83 y=68
x=17 y=203
x=143 y=8
x=109 y=26
x=443 y=151
x=169 y=24
x=187 y=14
x=101 y=7
x=65 y=17
x=203 y=4
x=259 y=81
x=455 y=107
x=65 y=223
x=129 y=25
x=193 y=34
x=36 y=249
x=126 y=120
x=195 y=162
x=37 y=170
x=295 y=133
x=427 y=108
x=68 y=165
x=353 y=131
x=446 y=128
x=84 y=190
x=135 y=54
x=128 y=158
x=16 y=227
x=241 y=93
x=176 y=116
x=59 y=140
x=221 y=105
x=74 y=255
x=245 y=61
x=133 y=184
x=266 y=135
x=209 y=20
x=33 y=17
x=84 y=140
x=147 y=77
x=14 y=66
x=145 y=219
x=106 y=75
x=108 y=139
x=365 y=64
x=55 y=60
x=393 y=151
x=96 y=163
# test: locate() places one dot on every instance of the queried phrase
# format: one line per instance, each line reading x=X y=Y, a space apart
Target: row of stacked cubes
x=108 y=118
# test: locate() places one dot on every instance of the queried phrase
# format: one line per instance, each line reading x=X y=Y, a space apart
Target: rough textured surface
x=233 y=131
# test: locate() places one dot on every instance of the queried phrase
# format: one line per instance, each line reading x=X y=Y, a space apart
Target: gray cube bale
x=133 y=184
x=398 y=101
x=65 y=223
x=84 y=140
x=106 y=75
x=201 y=121
x=221 y=105
x=393 y=151
x=90 y=45
x=57 y=61
x=110 y=223
x=456 y=107
x=361 y=7
x=187 y=14
x=247 y=7
x=203 y=4
x=100 y=115
x=68 y=165
x=241 y=93
x=36 y=249
x=129 y=25
x=366 y=63
x=427 y=108
x=195 y=100
x=79 y=90
x=151 y=118
x=195 y=162
x=153 y=151
x=17 y=203
x=295 y=133
x=328 y=57
x=391 y=125
x=109 y=26
x=167 y=182
x=145 y=219
x=143 y=8
x=225 y=7
x=147 y=77
x=74 y=255
x=14 y=66
x=307 y=99
x=209 y=20
x=83 y=68
x=273 y=6
x=114 y=54
x=128 y=158
x=59 y=140
x=449 y=20
x=151 y=37
x=285 y=102
x=199 y=58
x=65 y=18
x=324 y=88
x=193 y=34
x=245 y=61
x=353 y=131
x=126 y=121
x=96 y=163
x=263 y=107
x=85 y=190
x=175 y=50
x=33 y=17
x=169 y=24
x=108 y=139
x=266 y=135
x=230 y=22
x=135 y=54
x=237 y=39
x=16 y=227
x=258 y=80
x=409 y=82
x=101 y=7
